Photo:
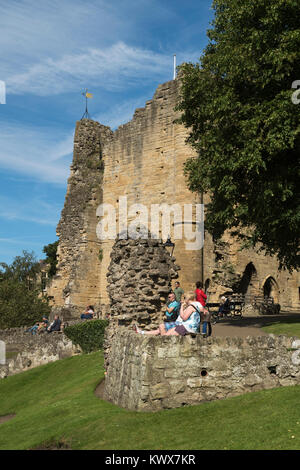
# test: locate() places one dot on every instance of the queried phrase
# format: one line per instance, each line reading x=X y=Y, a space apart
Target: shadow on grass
x=54 y=444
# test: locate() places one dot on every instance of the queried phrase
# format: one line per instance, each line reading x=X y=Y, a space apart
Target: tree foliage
x=21 y=303
x=51 y=253
x=244 y=126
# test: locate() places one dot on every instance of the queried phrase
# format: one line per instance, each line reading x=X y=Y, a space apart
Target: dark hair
x=199 y=285
x=91 y=307
x=177 y=282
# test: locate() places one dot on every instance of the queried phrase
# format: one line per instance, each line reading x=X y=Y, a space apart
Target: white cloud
x=114 y=68
x=42 y=154
x=20 y=241
x=121 y=113
x=45 y=154
x=30 y=209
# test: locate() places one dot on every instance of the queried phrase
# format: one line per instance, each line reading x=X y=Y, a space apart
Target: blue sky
x=121 y=50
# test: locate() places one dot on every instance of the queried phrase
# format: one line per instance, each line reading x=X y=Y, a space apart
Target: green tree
x=21 y=302
x=23 y=269
x=244 y=126
x=51 y=252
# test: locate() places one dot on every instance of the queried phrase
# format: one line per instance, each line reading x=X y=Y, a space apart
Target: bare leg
x=171 y=332
x=152 y=332
x=162 y=329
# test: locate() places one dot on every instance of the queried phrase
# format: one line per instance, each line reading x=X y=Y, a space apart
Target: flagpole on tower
x=174 y=63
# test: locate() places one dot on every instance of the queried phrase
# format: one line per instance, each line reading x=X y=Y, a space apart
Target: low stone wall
x=25 y=351
x=152 y=372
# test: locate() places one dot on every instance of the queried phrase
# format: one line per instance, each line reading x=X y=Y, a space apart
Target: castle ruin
x=143 y=160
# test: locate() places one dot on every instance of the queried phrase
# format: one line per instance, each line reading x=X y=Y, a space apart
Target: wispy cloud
x=114 y=68
x=31 y=209
x=45 y=154
x=122 y=112
x=22 y=241
x=35 y=152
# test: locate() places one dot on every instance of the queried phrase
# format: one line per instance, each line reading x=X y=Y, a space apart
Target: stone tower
x=143 y=161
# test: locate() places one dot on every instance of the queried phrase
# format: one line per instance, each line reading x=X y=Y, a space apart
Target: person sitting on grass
x=188 y=320
x=88 y=314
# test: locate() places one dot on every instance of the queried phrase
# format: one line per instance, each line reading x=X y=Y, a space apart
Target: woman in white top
x=188 y=320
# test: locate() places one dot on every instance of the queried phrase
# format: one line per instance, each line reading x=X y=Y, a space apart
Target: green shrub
x=20 y=306
x=89 y=335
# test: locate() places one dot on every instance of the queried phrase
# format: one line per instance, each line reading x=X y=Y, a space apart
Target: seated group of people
x=181 y=318
x=45 y=327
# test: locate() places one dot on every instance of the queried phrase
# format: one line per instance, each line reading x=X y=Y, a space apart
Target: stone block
x=159 y=391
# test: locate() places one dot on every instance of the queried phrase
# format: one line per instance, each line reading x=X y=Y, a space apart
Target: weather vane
x=86 y=113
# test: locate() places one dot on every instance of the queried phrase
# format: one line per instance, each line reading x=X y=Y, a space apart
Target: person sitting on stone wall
x=188 y=320
x=171 y=315
x=38 y=327
x=43 y=325
x=55 y=325
x=224 y=308
x=88 y=314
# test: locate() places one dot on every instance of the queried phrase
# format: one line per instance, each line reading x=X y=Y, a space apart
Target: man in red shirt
x=200 y=294
x=205 y=319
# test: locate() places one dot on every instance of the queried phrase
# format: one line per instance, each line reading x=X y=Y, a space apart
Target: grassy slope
x=56 y=402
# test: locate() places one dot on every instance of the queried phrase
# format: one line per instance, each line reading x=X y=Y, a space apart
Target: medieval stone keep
x=143 y=160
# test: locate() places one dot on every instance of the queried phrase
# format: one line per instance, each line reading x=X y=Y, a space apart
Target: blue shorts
x=170 y=324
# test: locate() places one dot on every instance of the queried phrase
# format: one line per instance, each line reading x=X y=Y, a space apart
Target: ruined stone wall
x=143 y=160
x=149 y=373
x=25 y=351
x=78 y=272
x=225 y=265
x=139 y=281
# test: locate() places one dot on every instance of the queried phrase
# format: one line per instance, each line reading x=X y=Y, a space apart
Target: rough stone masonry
x=143 y=160
x=139 y=280
x=25 y=351
x=149 y=373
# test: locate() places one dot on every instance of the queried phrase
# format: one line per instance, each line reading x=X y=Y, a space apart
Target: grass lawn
x=290 y=327
x=56 y=402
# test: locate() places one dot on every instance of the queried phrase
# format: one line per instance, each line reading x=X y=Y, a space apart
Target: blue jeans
x=33 y=329
x=86 y=316
x=204 y=328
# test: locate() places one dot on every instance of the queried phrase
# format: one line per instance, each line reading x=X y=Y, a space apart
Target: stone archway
x=271 y=289
x=249 y=284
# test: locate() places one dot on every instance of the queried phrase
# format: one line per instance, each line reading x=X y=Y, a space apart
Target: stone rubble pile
x=139 y=281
